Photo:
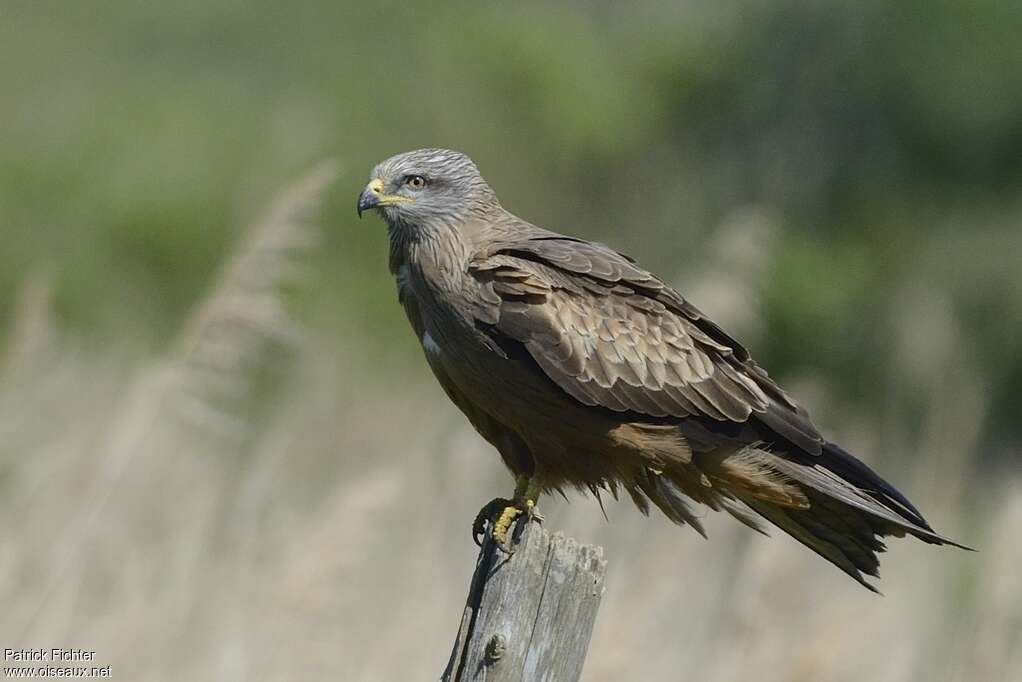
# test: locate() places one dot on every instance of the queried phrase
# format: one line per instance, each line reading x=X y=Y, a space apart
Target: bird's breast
x=459 y=354
x=443 y=331
x=432 y=348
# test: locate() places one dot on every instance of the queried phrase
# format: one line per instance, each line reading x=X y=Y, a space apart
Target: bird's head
x=427 y=187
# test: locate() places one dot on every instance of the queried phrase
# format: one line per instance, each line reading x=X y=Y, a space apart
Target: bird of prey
x=585 y=370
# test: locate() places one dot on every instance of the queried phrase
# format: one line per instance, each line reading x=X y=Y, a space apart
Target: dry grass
x=330 y=536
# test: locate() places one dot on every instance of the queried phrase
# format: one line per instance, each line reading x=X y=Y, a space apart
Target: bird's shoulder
x=542 y=262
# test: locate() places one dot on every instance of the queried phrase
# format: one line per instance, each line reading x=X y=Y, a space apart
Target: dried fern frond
x=222 y=345
x=33 y=335
x=229 y=336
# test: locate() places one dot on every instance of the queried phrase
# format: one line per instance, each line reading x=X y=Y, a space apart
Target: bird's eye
x=415 y=181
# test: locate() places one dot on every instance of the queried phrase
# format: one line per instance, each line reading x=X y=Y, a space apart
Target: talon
x=486 y=516
x=497 y=518
x=499 y=515
x=503 y=524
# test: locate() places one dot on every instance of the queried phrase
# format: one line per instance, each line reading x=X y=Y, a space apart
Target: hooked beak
x=373 y=197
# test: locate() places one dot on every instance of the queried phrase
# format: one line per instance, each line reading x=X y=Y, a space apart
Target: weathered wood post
x=529 y=615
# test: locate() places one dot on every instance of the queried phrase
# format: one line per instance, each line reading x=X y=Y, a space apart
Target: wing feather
x=613 y=335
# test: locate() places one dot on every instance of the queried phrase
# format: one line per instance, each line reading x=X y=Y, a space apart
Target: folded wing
x=613 y=335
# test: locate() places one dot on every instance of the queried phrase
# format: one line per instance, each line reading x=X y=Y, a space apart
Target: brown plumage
x=583 y=369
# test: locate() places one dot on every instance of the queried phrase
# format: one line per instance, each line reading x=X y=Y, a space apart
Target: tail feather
x=841 y=463
x=744 y=513
x=881 y=500
x=830 y=502
x=846 y=552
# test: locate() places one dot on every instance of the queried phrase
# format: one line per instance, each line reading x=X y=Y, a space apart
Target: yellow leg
x=503 y=524
x=501 y=513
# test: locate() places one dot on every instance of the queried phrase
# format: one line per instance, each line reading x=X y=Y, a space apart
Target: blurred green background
x=886 y=139
x=840 y=184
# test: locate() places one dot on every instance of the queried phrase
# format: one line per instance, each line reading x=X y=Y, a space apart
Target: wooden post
x=529 y=615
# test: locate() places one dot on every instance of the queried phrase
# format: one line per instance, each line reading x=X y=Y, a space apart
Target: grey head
x=427 y=188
